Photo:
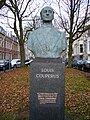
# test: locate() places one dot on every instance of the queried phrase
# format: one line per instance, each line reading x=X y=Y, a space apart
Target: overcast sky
x=37 y=2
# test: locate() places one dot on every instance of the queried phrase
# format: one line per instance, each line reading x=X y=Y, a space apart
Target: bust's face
x=47 y=14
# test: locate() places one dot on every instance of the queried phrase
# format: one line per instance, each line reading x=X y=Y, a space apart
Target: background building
x=81 y=47
x=9 y=47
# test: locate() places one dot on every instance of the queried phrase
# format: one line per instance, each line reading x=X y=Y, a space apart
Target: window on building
x=0 y=55
x=8 y=45
x=81 y=48
x=75 y=49
x=0 y=41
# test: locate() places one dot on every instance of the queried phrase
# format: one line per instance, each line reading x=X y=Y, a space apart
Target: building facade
x=9 y=47
x=81 y=47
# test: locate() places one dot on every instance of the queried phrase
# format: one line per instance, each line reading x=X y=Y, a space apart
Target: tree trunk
x=70 y=51
x=2 y=3
x=22 y=53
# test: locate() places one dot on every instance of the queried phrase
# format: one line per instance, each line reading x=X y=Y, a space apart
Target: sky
x=3 y=21
x=36 y=3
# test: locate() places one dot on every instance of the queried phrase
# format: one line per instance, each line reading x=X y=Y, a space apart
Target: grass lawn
x=15 y=91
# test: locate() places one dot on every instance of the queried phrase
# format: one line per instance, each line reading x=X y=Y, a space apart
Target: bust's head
x=47 y=14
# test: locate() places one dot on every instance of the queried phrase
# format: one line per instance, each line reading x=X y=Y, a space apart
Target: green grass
x=77 y=94
x=7 y=116
x=15 y=91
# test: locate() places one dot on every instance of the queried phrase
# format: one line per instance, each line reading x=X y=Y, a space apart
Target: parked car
x=85 y=66
x=28 y=62
x=76 y=63
x=18 y=63
x=5 y=65
x=81 y=64
x=14 y=63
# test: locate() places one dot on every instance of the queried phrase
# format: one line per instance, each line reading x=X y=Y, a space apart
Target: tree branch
x=6 y=16
x=25 y=7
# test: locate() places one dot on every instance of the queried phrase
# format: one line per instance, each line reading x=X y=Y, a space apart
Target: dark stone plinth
x=47 y=89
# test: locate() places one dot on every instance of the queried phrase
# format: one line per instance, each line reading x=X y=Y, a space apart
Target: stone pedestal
x=47 y=89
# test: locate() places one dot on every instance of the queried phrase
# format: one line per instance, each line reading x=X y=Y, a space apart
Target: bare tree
x=73 y=16
x=18 y=11
x=32 y=25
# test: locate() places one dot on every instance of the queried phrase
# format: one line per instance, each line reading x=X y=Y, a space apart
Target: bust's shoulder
x=36 y=31
x=56 y=30
x=43 y=29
